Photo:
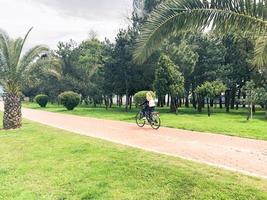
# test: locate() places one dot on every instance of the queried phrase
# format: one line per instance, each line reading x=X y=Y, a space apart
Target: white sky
x=61 y=20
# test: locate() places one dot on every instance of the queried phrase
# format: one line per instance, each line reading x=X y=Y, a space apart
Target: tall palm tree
x=13 y=68
x=176 y=16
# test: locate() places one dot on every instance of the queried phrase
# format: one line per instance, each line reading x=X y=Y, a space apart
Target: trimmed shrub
x=42 y=100
x=140 y=97
x=69 y=99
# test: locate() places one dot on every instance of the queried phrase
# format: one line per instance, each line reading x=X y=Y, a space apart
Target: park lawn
x=233 y=123
x=41 y=162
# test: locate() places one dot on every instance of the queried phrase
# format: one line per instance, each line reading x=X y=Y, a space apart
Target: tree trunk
x=199 y=103
x=163 y=100
x=106 y=102
x=162 y=103
x=110 y=101
x=208 y=104
x=12 y=112
x=211 y=103
x=127 y=102
x=117 y=98
x=130 y=102
x=233 y=95
x=227 y=100
x=173 y=107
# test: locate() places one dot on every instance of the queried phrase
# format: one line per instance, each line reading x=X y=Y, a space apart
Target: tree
x=252 y=97
x=186 y=59
x=127 y=77
x=175 y=16
x=44 y=77
x=262 y=97
x=13 y=69
x=80 y=63
x=237 y=67
x=211 y=58
x=210 y=90
x=168 y=80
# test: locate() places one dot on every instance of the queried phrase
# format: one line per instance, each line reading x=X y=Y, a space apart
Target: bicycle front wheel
x=139 y=120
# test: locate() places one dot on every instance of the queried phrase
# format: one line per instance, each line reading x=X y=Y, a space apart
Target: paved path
x=244 y=155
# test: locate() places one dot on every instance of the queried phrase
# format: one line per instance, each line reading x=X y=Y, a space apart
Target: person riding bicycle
x=149 y=105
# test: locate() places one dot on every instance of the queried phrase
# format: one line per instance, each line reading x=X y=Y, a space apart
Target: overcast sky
x=61 y=20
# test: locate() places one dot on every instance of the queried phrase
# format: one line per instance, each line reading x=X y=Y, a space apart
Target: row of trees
x=100 y=70
x=167 y=49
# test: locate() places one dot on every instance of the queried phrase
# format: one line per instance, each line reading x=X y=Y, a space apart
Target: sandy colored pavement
x=238 y=154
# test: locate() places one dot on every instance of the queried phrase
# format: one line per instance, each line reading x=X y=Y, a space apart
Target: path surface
x=244 y=155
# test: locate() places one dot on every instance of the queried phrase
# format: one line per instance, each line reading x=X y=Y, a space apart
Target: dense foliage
x=69 y=99
x=42 y=100
x=208 y=91
x=105 y=72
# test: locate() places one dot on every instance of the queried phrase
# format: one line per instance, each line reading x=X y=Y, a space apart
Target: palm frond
x=17 y=48
x=12 y=63
x=260 y=57
x=31 y=56
x=174 y=16
x=50 y=65
x=4 y=46
x=53 y=67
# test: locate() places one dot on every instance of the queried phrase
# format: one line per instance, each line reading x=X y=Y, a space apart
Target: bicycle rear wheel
x=156 y=122
x=139 y=120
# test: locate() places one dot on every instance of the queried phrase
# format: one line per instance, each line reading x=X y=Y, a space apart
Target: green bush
x=42 y=100
x=140 y=97
x=69 y=99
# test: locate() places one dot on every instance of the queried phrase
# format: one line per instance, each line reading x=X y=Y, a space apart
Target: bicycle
x=153 y=119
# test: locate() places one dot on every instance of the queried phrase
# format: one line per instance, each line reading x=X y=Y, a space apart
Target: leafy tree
x=80 y=64
x=211 y=58
x=123 y=65
x=210 y=90
x=123 y=74
x=44 y=77
x=93 y=57
x=168 y=80
x=221 y=16
x=252 y=97
x=262 y=97
x=13 y=70
x=237 y=68
x=186 y=59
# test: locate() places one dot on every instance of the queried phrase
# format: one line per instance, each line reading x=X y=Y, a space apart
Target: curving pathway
x=237 y=154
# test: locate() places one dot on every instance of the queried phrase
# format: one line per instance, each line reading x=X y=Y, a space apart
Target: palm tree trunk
x=12 y=111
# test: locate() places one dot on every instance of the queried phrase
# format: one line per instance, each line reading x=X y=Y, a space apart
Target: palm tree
x=13 y=70
x=177 y=16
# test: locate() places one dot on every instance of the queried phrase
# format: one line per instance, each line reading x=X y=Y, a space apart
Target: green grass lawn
x=233 y=123
x=40 y=162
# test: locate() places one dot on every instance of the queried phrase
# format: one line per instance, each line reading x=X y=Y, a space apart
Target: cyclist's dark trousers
x=145 y=110
x=150 y=110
